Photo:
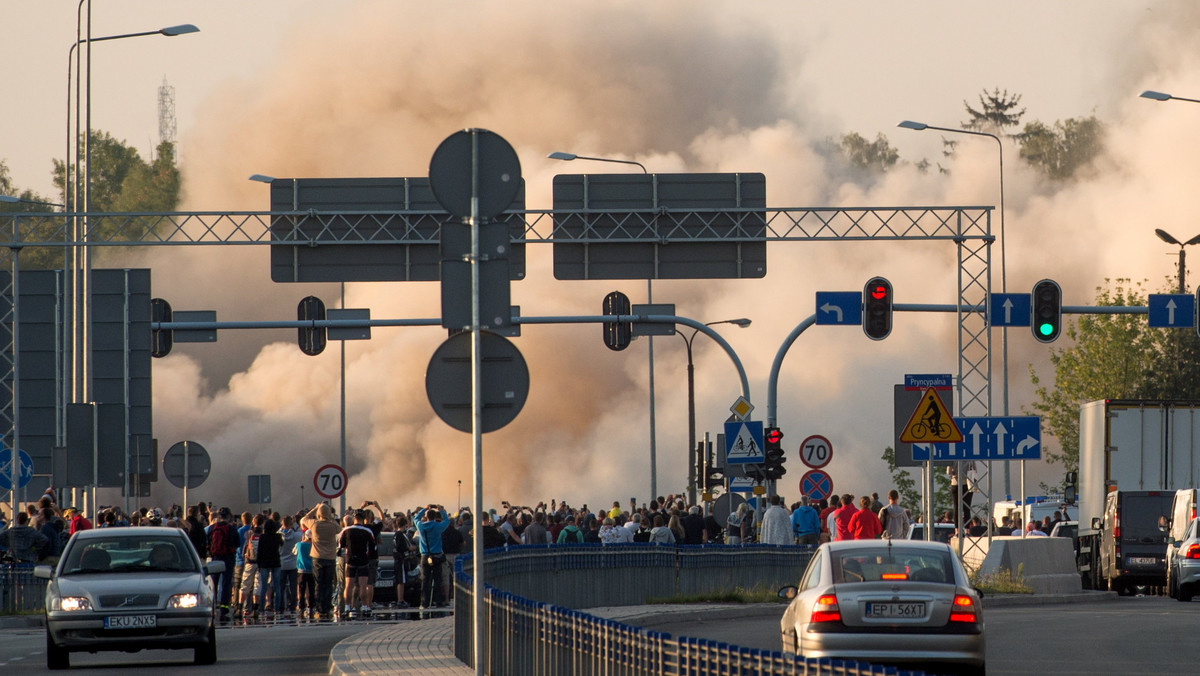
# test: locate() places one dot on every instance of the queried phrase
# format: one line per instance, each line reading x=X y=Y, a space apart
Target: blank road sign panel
x=660 y=226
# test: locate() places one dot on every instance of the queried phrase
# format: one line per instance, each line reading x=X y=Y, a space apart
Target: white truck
x=1133 y=456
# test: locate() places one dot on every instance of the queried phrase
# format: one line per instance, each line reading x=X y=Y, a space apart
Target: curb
x=1015 y=600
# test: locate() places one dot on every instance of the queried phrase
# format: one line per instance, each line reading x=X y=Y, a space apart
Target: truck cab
x=1133 y=540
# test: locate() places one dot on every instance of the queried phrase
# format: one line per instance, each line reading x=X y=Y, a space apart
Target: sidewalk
x=424 y=647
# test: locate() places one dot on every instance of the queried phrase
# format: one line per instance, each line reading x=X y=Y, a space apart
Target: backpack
x=642 y=535
x=452 y=540
x=250 y=553
x=220 y=542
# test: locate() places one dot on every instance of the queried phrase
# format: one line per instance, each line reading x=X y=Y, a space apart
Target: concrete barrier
x=1047 y=565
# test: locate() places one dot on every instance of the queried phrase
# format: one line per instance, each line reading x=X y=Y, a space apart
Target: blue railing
x=531 y=628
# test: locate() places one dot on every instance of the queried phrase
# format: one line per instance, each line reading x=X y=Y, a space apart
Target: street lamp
x=82 y=263
x=11 y=199
x=568 y=157
x=693 y=453
x=1159 y=96
x=1166 y=237
x=921 y=126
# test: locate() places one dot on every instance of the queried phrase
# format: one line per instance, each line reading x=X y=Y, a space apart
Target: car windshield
x=892 y=564
x=120 y=554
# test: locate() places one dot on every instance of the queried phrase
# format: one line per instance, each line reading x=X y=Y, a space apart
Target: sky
x=301 y=88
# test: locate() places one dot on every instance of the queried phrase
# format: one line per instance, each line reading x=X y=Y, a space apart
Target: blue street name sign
x=922 y=381
x=744 y=442
x=841 y=308
x=1001 y=438
x=1010 y=309
x=1171 y=310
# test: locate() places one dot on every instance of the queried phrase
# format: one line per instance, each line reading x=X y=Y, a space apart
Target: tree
x=997 y=112
x=1060 y=151
x=871 y=156
x=1111 y=356
x=910 y=492
x=121 y=180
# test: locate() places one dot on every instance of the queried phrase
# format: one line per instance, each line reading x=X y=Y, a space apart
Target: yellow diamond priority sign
x=931 y=423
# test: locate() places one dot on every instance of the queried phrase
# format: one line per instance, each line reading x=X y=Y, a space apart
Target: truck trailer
x=1133 y=456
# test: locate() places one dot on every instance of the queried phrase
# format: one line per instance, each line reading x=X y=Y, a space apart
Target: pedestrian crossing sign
x=931 y=422
x=744 y=442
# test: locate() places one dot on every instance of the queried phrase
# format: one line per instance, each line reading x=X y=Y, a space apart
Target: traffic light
x=1047 y=311
x=312 y=339
x=877 y=308
x=714 y=478
x=773 y=468
x=161 y=340
x=617 y=334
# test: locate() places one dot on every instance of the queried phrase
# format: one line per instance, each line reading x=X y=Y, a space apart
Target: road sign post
x=186 y=465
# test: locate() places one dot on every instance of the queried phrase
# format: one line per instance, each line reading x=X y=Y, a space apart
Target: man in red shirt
x=77 y=520
x=865 y=524
x=842 y=518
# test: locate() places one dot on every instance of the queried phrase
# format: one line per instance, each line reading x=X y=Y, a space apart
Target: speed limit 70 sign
x=330 y=481
x=816 y=451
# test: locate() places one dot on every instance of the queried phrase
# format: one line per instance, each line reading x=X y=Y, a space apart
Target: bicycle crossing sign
x=931 y=422
x=744 y=442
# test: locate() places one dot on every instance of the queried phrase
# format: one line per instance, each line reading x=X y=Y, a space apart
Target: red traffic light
x=773 y=435
x=879 y=291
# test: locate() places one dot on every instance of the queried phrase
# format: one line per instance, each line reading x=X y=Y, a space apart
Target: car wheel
x=207 y=653
x=56 y=657
x=1185 y=594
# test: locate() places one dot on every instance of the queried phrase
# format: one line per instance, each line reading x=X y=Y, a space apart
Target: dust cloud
x=373 y=93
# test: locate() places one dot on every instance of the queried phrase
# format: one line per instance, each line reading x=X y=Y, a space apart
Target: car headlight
x=74 y=603
x=183 y=601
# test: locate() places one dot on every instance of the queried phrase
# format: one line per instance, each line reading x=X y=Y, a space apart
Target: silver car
x=900 y=602
x=1183 y=564
x=129 y=589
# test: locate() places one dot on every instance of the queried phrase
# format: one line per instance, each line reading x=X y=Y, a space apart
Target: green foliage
x=1003 y=582
x=1060 y=151
x=757 y=594
x=1113 y=356
x=997 y=112
x=871 y=156
x=910 y=492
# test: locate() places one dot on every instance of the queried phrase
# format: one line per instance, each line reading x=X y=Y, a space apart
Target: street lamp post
x=693 y=452
x=80 y=257
x=921 y=126
x=1166 y=237
x=569 y=157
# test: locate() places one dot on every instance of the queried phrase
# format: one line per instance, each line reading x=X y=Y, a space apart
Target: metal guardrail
x=532 y=631
x=20 y=591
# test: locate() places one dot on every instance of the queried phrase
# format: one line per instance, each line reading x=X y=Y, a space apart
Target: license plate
x=131 y=622
x=895 y=610
x=384 y=583
x=1142 y=560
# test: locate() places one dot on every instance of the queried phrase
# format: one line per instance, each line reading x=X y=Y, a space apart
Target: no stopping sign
x=330 y=481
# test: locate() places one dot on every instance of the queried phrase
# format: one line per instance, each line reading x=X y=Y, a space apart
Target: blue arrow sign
x=744 y=442
x=1001 y=438
x=1009 y=309
x=1171 y=310
x=842 y=308
x=24 y=473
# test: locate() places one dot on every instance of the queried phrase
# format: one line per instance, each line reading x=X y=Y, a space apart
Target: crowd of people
x=315 y=564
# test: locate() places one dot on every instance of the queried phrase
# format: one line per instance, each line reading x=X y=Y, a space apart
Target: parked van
x=1183 y=510
x=1133 y=540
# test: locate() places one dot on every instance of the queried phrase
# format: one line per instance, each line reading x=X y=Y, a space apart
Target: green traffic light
x=1046 y=328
